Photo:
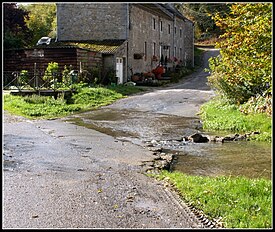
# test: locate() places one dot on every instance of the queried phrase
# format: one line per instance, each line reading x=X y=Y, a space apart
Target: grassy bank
x=85 y=98
x=219 y=115
x=236 y=202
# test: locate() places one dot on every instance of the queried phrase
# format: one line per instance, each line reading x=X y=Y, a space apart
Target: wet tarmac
x=235 y=158
x=60 y=175
x=168 y=114
x=85 y=171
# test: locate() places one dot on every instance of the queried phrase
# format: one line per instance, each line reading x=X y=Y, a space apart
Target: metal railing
x=32 y=81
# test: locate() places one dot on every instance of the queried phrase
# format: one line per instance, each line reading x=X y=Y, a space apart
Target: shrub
x=51 y=72
x=243 y=69
x=66 y=77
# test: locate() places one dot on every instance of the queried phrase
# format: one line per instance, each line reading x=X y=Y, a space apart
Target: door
x=119 y=70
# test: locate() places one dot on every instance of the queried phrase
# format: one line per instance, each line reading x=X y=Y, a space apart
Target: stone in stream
x=198 y=138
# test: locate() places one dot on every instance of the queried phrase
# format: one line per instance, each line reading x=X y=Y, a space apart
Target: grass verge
x=219 y=115
x=237 y=202
x=85 y=98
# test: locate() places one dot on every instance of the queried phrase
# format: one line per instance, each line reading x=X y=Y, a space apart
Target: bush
x=243 y=69
x=51 y=72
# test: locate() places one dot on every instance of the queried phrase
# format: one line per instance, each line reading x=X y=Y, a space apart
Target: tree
x=16 y=32
x=41 y=20
x=243 y=69
x=201 y=14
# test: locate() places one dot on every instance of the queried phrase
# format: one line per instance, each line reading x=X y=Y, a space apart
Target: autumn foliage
x=243 y=69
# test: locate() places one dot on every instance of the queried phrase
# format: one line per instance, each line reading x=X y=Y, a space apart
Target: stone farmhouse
x=135 y=37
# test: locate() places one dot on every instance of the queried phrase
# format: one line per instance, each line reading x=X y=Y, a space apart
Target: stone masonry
x=91 y=21
x=148 y=31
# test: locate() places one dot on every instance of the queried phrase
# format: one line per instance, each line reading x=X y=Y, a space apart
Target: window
x=175 y=30
x=175 y=51
x=154 y=48
x=160 y=25
x=145 y=50
x=154 y=23
x=180 y=53
x=180 y=33
x=169 y=29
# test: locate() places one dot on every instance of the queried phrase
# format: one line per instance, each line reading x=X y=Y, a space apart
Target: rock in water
x=198 y=138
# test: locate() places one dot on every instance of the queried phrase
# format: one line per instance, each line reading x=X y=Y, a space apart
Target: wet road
x=162 y=113
x=181 y=99
x=61 y=175
x=166 y=115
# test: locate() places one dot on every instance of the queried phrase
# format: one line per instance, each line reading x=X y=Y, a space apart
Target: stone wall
x=91 y=21
x=168 y=31
x=147 y=31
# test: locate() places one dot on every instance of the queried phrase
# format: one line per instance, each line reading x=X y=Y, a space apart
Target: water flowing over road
x=87 y=170
x=167 y=114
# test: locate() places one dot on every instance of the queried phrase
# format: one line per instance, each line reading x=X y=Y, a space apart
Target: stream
x=236 y=158
x=165 y=115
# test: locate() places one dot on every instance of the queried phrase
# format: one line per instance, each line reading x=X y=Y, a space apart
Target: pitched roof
x=167 y=9
x=171 y=8
x=104 y=46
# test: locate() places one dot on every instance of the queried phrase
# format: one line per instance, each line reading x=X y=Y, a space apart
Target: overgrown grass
x=238 y=202
x=85 y=98
x=219 y=115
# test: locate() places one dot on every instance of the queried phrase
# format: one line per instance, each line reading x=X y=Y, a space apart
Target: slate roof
x=171 y=8
x=167 y=9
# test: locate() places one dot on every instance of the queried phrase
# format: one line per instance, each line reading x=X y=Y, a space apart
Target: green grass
x=85 y=98
x=238 y=202
x=127 y=90
x=219 y=115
